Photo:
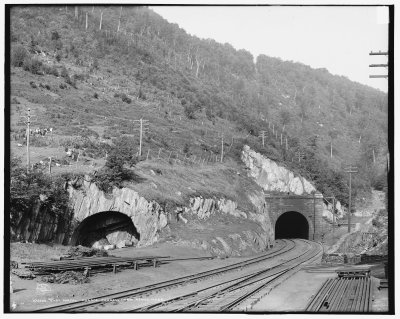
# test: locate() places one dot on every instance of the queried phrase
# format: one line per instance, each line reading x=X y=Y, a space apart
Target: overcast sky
x=336 y=38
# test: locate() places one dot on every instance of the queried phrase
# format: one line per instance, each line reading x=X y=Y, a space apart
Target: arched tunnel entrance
x=105 y=228
x=291 y=225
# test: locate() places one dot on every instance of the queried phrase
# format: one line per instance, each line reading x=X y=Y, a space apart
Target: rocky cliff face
x=40 y=224
x=231 y=231
x=272 y=177
x=213 y=224
x=153 y=223
x=148 y=217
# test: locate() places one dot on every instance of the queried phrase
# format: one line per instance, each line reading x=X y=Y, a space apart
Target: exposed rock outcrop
x=251 y=239
x=148 y=217
x=273 y=177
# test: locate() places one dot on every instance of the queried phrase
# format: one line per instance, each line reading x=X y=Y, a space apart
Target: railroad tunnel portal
x=105 y=228
x=298 y=216
x=292 y=225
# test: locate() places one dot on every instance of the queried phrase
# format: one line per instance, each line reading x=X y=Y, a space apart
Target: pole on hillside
x=86 y=21
x=143 y=128
x=101 y=19
x=50 y=165
x=28 y=118
x=141 y=134
x=222 y=148
x=373 y=154
x=262 y=135
x=286 y=143
x=119 y=20
x=350 y=169
x=28 y=133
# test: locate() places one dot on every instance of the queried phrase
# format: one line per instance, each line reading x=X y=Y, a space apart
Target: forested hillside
x=86 y=71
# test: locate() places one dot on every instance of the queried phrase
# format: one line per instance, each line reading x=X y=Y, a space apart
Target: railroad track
x=282 y=247
x=231 y=294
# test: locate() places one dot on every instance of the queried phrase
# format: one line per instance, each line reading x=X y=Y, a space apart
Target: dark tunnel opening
x=291 y=225
x=105 y=228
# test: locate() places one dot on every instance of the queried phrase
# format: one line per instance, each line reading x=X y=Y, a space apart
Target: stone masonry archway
x=105 y=228
x=292 y=225
x=309 y=207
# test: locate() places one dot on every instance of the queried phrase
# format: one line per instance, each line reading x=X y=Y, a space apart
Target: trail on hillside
x=369 y=236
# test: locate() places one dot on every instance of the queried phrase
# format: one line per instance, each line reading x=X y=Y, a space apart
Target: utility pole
x=262 y=135
x=300 y=155
x=350 y=169
x=143 y=127
x=101 y=19
x=86 y=21
x=286 y=144
x=373 y=154
x=28 y=135
x=222 y=148
x=141 y=135
x=119 y=20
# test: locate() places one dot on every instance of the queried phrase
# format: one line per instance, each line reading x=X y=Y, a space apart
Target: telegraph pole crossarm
x=378 y=76
x=381 y=65
x=378 y=53
x=300 y=155
x=378 y=65
x=263 y=135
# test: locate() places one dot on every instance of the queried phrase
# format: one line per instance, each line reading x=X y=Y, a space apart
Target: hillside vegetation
x=91 y=73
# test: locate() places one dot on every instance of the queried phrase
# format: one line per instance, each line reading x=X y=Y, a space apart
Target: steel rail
x=232 y=288
x=357 y=304
x=350 y=295
x=240 y=281
x=332 y=298
x=169 y=283
x=345 y=294
x=334 y=306
x=89 y=260
x=307 y=256
x=360 y=286
x=367 y=296
x=124 y=262
x=317 y=301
